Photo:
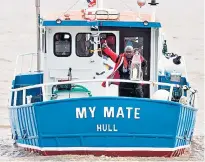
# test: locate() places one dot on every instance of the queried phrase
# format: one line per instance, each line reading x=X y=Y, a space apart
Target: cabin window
x=62 y=44
x=110 y=38
x=136 y=42
x=84 y=45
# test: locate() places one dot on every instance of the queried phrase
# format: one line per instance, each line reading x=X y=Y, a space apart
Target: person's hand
x=144 y=64
x=104 y=45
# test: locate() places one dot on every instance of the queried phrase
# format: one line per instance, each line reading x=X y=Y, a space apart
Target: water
x=182 y=21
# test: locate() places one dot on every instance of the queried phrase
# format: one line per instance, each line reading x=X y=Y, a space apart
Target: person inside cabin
x=122 y=71
x=62 y=42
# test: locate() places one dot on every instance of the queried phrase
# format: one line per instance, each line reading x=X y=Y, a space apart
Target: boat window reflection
x=62 y=44
x=136 y=42
x=84 y=45
x=110 y=38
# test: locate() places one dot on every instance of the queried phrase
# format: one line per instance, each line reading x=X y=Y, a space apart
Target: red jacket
x=118 y=60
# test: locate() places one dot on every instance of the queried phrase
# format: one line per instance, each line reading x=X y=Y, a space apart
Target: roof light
x=141 y=3
x=146 y=23
x=153 y=3
x=58 y=21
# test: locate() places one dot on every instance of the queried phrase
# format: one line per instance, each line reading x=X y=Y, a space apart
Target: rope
x=92 y=51
x=126 y=5
x=72 y=6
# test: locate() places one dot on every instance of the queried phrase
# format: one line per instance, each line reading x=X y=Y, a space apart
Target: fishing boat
x=60 y=107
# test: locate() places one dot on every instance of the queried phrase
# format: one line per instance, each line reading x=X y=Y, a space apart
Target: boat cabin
x=71 y=45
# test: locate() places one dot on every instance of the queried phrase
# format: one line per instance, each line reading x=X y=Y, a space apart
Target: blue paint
x=28 y=79
x=102 y=23
x=164 y=79
x=186 y=123
x=21 y=123
x=54 y=123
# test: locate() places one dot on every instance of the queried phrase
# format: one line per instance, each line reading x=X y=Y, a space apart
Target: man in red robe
x=122 y=71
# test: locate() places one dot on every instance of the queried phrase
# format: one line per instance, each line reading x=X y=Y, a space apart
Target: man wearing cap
x=122 y=71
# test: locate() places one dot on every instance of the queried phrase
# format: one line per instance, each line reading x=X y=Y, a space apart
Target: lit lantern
x=141 y=3
x=136 y=69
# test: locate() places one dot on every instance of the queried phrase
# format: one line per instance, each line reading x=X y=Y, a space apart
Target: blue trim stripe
x=106 y=98
x=102 y=23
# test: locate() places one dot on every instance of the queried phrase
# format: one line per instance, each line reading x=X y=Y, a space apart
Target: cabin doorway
x=139 y=38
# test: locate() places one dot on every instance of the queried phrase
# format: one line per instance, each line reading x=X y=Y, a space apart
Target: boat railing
x=20 y=60
x=43 y=88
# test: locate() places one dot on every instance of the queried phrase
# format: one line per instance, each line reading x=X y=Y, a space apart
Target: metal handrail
x=43 y=86
x=17 y=61
x=94 y=80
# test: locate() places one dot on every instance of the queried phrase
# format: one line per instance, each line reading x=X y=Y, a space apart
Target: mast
x=38 y=35
x=153 y=4
x=99 y=3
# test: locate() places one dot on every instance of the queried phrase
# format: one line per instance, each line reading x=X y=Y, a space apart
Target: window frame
x=108 y=46
x=43 y=43
x=54 y=47
x=76 y=44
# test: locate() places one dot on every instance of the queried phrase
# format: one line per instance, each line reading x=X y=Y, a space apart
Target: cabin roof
x=126 y=19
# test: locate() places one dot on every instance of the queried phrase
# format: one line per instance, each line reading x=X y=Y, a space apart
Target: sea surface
x=182 y=21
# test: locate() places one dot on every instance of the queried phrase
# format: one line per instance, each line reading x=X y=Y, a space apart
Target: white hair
x=129 y=48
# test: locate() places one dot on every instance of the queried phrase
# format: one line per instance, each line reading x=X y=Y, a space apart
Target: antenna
x=38 y=35
x=153 y=5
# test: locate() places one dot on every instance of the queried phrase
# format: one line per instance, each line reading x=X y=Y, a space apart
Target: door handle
x=100 y=73
x=92 y=61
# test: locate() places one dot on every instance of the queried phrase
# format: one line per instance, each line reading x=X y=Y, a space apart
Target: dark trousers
x=131 y=90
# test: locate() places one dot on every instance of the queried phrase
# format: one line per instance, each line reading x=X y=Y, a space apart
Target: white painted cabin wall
x=161 y=42
x=82 y=68
x=154 y=59
x=165 y=64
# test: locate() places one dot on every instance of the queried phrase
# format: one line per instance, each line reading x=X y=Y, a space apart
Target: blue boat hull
x=114 y=126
